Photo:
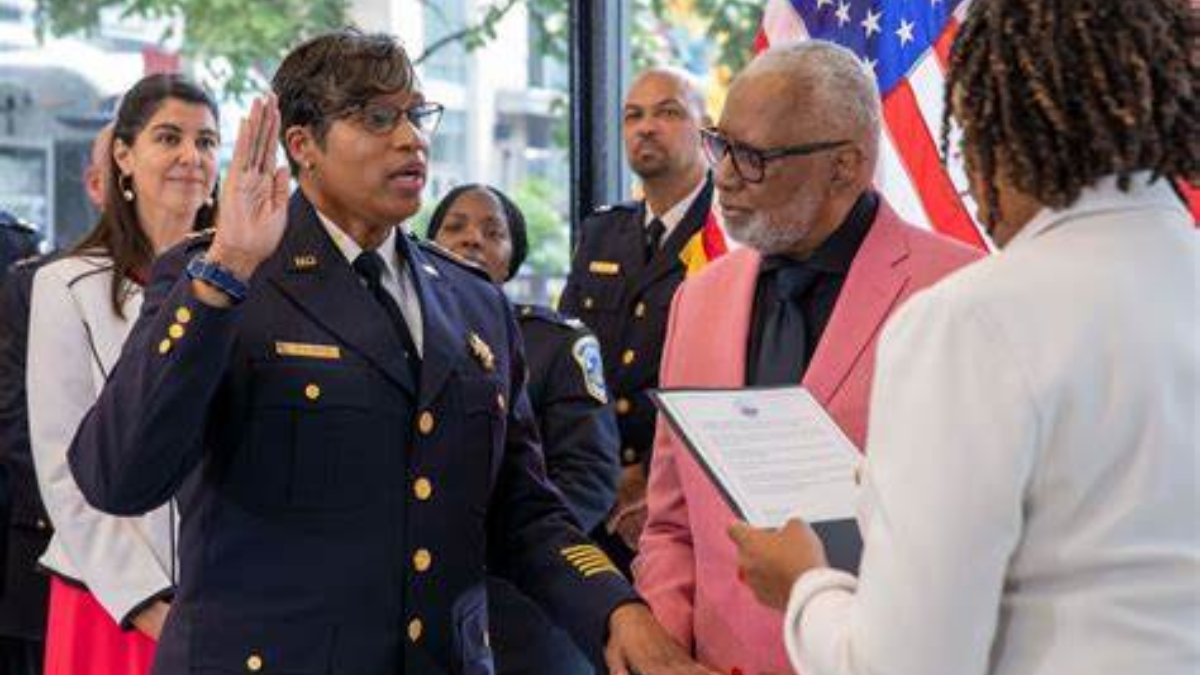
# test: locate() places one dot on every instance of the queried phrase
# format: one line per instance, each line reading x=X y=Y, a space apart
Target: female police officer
x=567 y=392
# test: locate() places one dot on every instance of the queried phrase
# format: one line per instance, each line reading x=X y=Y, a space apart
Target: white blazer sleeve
x=953 y=434
x=110 y=554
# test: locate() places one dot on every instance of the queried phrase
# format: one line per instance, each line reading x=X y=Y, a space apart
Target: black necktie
x=369 y=266
x=654 y=236
x=783 y=349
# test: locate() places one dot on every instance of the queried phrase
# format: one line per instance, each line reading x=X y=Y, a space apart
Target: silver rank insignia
x=481 y=351
x=586 y=351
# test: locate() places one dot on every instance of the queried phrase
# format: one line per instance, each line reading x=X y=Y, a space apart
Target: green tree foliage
x=250 y=36
x=546 y=228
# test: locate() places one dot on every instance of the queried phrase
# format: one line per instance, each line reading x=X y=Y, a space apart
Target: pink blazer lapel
x=724 y=298
x=873 y=285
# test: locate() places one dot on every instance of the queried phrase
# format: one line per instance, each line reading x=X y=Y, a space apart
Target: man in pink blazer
x=825 y=262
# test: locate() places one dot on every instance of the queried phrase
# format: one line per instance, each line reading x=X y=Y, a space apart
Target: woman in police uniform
x=575 y=420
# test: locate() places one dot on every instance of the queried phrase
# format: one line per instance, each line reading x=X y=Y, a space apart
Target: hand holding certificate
x=775 y=454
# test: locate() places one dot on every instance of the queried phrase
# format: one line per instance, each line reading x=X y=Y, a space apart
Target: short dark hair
x=1065 y=92
x=118 y=233
x=332 y=73
x=517 y=229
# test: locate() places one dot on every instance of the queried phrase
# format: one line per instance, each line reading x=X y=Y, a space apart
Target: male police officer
x=628 y=264
x=344 y=411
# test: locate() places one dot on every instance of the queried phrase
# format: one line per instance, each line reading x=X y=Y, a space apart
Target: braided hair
x=1064 y=92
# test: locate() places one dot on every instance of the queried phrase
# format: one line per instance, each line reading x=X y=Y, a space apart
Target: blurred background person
x=630 y=259
x=18 y=240
x=570 y=401
x=26 y=589
x=1030 y=496
x=113 y=574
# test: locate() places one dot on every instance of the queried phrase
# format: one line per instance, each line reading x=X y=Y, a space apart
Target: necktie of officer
x=654 y=236
x=369 y=266
x=783 y=348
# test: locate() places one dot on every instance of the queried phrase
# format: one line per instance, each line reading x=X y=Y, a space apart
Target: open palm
x=253 y=205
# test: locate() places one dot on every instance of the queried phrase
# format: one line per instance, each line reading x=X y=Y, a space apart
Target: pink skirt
x=82 y=639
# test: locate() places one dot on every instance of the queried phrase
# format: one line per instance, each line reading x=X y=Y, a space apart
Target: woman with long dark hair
x=110 y=574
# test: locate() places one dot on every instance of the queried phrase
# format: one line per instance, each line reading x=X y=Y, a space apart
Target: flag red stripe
x=945 y=42
x=918 y=151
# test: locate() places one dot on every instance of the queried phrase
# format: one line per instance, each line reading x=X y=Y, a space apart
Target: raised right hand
x=253 y=205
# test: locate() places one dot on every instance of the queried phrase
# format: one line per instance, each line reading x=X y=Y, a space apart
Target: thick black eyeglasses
x=382 y=118
x=749 y=162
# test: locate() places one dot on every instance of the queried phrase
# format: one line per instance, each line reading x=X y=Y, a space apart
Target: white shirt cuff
x=812 y=640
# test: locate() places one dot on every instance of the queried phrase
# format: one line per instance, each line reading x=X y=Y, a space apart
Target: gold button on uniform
x=629 y=455
x=628 y=357
x=415 y=628
x=425 y=423
x=312 y=392
x=164 y=346
x=176 y=331
x=422 y=559
x=623 y=406
x=42 y=524
x=501 y=403
x=183 y=315
x=254 y=663
x=423 y=489
x=588 y=303
x=640 y=310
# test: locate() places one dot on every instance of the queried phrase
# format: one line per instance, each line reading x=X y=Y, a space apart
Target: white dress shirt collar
x=674 y=215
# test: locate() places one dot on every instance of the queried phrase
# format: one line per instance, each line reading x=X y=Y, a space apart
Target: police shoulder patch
x=586 y=351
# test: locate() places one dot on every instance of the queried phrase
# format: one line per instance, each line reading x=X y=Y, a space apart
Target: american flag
x=907 y=45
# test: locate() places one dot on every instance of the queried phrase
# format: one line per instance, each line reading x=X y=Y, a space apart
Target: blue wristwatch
x=218 y=277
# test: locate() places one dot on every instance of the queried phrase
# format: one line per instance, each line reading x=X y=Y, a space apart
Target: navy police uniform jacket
x=25 y=590
x=575 y=418
x=579 y=440
x=626 y=301
x=339 y=510
x=18 y=240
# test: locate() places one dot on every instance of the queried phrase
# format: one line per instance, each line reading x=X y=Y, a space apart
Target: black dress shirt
x=772 y=358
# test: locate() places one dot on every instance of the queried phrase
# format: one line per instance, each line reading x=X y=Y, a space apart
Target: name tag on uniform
x=604 y=267
x=308 y=351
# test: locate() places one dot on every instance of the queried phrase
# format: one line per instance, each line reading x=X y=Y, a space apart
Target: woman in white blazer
x=110 y=574
x=1029 y=505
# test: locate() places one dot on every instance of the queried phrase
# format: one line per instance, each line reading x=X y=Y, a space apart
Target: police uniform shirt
x=674 y=215
x=825 y=271
x=397 y=278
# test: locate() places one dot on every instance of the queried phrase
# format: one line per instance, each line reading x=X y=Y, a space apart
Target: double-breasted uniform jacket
x=340 y=505
x=24 y=595
x=579 y=438
x=626 y=300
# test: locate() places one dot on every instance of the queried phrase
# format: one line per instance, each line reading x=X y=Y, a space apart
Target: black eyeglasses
x=749 y=162
x=382 y=118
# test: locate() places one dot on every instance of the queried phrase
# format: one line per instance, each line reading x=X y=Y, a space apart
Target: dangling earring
x=125 y=182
